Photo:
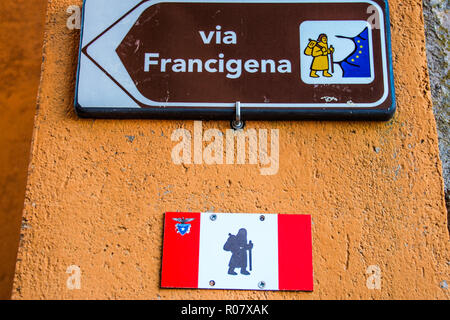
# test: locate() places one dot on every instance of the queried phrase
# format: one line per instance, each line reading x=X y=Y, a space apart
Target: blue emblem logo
x=183 y=227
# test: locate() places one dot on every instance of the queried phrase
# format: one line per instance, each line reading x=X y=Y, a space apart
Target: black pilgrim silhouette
x=238 y=246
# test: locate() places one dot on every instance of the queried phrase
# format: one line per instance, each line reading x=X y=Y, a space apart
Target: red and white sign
x=237 y=251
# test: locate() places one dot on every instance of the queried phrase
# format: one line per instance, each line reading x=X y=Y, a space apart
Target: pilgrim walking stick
x=332 y=59
x=250 y=256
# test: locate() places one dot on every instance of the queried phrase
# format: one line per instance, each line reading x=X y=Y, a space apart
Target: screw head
x=212 y=283
x=261 y=285
x=262 y=217
x=237 y=125
x=213 y=217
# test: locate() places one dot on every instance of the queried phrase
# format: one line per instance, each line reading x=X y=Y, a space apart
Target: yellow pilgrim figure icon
x=319 y=51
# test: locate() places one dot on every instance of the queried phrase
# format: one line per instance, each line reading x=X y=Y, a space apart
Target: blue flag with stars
x=357 y=64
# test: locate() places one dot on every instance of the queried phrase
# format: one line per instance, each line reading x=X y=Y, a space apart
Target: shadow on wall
x=437 y=26
x=20 y=64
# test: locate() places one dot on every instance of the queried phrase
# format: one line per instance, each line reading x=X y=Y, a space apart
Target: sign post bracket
x=238 y=123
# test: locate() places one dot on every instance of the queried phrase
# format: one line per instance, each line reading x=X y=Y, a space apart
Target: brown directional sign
x=197 y=59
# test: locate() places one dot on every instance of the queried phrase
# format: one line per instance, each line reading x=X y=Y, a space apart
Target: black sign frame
x=324 y=112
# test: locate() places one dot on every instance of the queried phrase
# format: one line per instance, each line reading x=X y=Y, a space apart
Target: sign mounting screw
x=261 y=285
x=213 y=217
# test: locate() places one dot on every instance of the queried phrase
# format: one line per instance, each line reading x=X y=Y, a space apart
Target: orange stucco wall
x=21 y=34
x=97 y=190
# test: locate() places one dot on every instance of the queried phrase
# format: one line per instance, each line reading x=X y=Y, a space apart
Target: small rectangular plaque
x=191 y=59
x=237 y=251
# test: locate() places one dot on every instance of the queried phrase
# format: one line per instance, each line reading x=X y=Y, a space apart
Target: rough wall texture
x=21 y=33
x=437 y=25
x=97 y=190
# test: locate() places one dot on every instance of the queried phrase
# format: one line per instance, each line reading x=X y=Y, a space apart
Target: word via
x=214 y=153
x=229 y=36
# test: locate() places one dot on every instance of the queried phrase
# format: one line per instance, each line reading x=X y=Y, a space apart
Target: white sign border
x=318 y=105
